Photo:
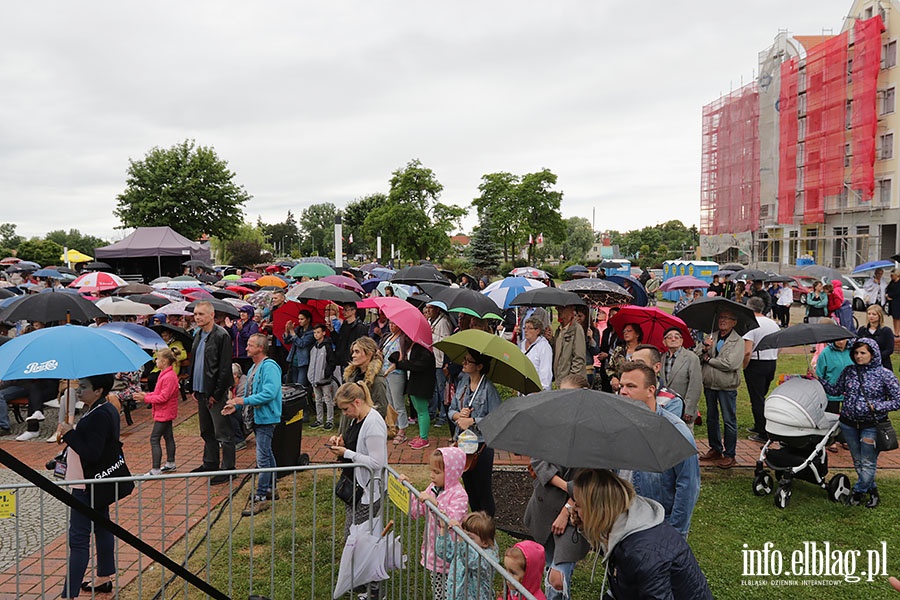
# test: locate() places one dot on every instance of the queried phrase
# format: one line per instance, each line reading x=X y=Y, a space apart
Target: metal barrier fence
x=292 y=547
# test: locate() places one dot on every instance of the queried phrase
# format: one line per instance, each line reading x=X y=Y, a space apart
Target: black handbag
x=347 y=490
x=885 y=437
x=111 y=465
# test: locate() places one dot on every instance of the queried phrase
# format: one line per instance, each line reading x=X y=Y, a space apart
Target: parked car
x=853 y=288
x=801 y=286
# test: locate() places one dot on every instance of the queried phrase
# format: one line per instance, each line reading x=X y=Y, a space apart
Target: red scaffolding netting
x=826 y=125
x=729 y=179
x=787 y=141
x=864 y=116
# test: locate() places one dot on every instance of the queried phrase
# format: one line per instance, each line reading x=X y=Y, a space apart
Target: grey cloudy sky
x=320 y=102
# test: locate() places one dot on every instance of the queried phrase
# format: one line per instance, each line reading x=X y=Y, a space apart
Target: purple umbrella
x=682 y=282
x=343 y=282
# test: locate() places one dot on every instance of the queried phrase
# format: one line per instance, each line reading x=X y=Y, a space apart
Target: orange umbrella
x=271 y=280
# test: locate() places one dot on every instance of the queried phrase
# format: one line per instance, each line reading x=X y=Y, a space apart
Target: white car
x=853 y=288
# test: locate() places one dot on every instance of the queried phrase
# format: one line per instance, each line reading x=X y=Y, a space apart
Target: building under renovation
x=801 y=163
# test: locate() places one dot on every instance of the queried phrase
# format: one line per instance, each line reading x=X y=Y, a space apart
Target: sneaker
x=51 y=438
x=316 y=425
x=36 y=416
x=152 y=472
x=414 y=440
x=168 y=468
x=257 y=505
x=328 y=426
x=52 y=403
x=400 y=438
x=219 y=479
x=28 y=435
x=419 y=443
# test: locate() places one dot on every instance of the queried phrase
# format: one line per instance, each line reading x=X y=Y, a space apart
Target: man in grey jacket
x=721 y=357
x=681 y=373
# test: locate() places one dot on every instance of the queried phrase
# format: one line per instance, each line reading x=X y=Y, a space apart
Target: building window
x=848 y=154
x=889 y=54
x=801 y=104
x=849 y=70
x=801 y=81
x=801 y=180
x=844 y=195
x=862 y=244
x=848 y=110
x=884 y=192
x=793 y=245
x=868 y=12
x=887 y=102
x=801 y=128
x=886 y=146
x=801 y=154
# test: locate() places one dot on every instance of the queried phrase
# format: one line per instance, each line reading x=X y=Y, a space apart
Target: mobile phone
x=329 y=446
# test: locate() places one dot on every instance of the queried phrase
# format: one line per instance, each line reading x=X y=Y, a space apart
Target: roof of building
x=811 y=41
x=462 y=240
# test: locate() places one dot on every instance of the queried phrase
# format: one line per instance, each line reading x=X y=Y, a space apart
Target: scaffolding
x=787 y=142
x=729 y=180
x=864 y=118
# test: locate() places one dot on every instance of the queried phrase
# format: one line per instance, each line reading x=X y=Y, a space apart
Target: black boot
x=874 y=498
x=856 y=499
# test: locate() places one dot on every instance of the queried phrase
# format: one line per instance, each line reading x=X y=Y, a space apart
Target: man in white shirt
x=784 y=301
x=759 y=368
x=875 y=287
x=536 y=347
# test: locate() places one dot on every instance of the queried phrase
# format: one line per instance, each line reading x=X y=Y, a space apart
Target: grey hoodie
x=642 y=514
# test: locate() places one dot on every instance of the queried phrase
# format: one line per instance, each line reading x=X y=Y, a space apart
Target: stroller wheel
x=762 y=484
x=839 y=488
x=782 y=496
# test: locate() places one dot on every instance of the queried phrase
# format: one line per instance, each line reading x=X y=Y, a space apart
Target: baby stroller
x=796 y=419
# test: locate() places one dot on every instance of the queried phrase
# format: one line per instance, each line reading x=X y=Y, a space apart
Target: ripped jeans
x=864 y=454
x=566 y=570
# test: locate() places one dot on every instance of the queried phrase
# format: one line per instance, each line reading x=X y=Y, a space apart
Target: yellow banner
x=398 y=494
x=7 y=504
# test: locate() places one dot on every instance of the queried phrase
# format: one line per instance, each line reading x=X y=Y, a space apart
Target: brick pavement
x=32 y=577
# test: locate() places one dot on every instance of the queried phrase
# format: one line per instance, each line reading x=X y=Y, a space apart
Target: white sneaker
x=28 y=435
x=51 y=439
x=52 y=403
x=152 y=473
x=36 y=416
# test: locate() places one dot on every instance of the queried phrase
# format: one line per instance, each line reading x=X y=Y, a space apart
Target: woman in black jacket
x=884 y=336
x=418 y=362
x=645 y=556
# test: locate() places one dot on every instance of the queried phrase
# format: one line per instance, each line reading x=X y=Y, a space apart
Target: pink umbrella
x=682 y=282
x=98 y=280
x=344 y=282
x=251 y=275
x=404 y=315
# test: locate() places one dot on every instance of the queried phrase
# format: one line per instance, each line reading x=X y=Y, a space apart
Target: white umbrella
x=114 y=306
x=369 y=554
x=98 y=280
x=175 y=308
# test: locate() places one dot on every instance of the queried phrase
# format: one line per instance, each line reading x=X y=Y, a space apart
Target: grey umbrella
x=821 y=272
x=586 y=429
x=598 y=291
x=703 y=314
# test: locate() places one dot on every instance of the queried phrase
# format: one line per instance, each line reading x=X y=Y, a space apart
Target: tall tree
x=498 y=199
x=317 y=226
x=186 y=187
x=246 y=247
x=74 y=239
x=413 y=218
x=483 y=250
x=354 y=221
x=8 y=236
x=578 y=239
x=43 y=252
x=283 y=237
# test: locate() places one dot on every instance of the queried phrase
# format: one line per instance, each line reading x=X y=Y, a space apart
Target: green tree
x=578 y=239
x=284 y=237
x=317 y=227
x=74 y=239
x=652 y=245
x=354 y=221
x=8 y=237
x=521 y=206
x=247 y=246
x=484 y=251
x=43 y=252
x=186 y=187
x=413 y=218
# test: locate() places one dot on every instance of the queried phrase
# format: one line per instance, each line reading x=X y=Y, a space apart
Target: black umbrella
x=222 y=294
x=418 y=274
x=776 y=278
x=803 y=334
x=208 y=278
x=548 y=296
x=197 y=264
x=332 y=293
x=133 y=288
x=703 y=314
x=150 y=299
x=586 y=429
x=732 y=267
x=749 y=275
x=98 y=266
x=5 y=293
x=464 y=300
x=598 y=291
x=219 y=306
x=181 y=334
x=52 y=306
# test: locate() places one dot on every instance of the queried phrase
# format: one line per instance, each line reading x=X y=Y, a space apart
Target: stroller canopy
x=797 y=408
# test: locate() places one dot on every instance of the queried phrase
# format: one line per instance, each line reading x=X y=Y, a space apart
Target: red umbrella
x=404 y=315
x=239 y=289
x=653 y=323
x=344 y=282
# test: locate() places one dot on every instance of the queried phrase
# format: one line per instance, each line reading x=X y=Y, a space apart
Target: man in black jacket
x=351 y=330
x=211 y=377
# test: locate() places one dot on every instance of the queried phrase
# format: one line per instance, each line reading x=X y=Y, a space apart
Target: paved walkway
x=41 y=525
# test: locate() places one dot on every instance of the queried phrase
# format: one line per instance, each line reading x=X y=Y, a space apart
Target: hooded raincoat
x=452 y=500
x=534 y=570
x=870 y=391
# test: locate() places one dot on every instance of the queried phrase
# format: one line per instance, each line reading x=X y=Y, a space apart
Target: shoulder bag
x=885 y=436
x=111 y=465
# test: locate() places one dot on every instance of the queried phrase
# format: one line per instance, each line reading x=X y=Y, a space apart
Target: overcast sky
x=320 y=101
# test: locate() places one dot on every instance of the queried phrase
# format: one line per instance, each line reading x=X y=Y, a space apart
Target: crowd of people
x=380 y=383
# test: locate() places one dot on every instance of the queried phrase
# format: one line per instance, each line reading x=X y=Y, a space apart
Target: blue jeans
x=265 y=457
x=865 y=456
x=566 y=569
x=726 y=400
x=437 y=408
x=80 y=547
x=6 y=394
x=298 y=374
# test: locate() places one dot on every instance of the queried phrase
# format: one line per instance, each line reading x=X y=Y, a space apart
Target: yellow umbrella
x=74 y=256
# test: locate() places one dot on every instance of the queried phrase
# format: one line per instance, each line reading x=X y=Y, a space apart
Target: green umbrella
x=310 y=270
x=509 y=367
x=232 y=277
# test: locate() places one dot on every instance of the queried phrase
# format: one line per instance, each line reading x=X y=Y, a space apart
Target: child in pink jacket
x=164 y=400
x=447 y=493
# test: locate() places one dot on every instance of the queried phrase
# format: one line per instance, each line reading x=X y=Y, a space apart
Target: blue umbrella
x=383 y=272
x=370 y=284
x=144 y=337
x=52 y=273
x=633 y=287
x=875 y=264
x=68 y=352
x=577 y=269
x=504 y=291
